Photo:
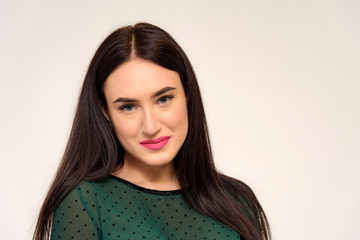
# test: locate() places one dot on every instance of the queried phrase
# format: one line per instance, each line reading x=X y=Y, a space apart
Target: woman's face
x=146 y=105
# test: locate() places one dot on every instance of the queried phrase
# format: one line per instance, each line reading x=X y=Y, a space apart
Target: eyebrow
x=157 y=93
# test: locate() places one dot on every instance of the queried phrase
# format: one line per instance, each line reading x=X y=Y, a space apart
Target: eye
x=165 y=99
x=127 y=107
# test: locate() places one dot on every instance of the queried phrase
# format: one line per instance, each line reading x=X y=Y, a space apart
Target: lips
x=157 y=143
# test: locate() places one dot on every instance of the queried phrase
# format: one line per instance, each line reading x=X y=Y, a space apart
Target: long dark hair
x=93 y=150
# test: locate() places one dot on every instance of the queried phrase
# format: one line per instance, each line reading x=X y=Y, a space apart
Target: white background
x=280 y=82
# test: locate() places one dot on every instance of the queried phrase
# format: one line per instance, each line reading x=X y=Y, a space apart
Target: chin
x=150 y=160
x=159 y=161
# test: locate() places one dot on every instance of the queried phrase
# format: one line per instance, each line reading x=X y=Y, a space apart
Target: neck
x=161 y=178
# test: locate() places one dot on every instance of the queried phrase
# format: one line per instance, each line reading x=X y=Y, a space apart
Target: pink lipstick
x=157 y=143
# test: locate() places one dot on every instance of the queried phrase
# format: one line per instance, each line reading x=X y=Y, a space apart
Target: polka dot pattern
x=117 y=209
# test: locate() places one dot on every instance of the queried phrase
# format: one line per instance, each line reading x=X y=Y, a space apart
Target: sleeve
x=77 y=217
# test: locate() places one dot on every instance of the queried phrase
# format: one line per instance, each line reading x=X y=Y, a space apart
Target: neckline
x=146 y=190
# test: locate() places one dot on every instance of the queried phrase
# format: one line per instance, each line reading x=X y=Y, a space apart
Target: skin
x=146 y=101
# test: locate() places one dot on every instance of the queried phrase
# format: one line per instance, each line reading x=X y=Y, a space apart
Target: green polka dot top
x=117 y=209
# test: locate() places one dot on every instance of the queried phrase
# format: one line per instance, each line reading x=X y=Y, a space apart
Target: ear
x=105 y=112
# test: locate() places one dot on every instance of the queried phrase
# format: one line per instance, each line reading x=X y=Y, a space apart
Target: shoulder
x=81 y=196
x=78 y=216
x=89 y=193
x=85 y=197
x=85 y=189
x=242 y=194
x=82 y=202
x=244 y=197
x=236 y=187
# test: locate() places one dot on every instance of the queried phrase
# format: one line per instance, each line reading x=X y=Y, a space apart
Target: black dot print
x=117 y=209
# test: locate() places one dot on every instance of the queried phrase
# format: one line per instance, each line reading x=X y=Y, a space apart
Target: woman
x=138 y=163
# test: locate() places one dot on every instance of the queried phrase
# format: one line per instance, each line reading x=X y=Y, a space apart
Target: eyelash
x=168 y=97
x=123 y=107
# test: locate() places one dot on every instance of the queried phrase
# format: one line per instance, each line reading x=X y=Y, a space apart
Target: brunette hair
x=93 y=150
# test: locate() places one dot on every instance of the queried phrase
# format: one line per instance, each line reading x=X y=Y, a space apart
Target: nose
x=151 y=124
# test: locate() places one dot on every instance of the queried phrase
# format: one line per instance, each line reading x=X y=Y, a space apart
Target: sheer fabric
x=117 y=209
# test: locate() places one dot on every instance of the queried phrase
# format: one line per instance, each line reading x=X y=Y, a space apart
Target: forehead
x=139 y=77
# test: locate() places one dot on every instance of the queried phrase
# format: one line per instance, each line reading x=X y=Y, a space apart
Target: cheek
x=178 y=119
x=125 y=129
